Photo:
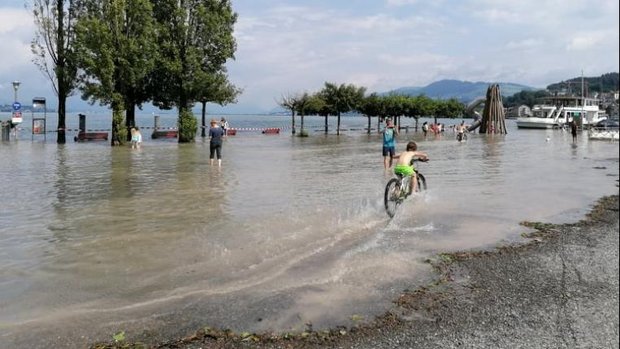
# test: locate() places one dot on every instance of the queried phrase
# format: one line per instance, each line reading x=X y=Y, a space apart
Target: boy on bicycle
x=404 y=165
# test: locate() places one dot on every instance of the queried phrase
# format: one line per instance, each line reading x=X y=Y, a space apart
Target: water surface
x=290 y=231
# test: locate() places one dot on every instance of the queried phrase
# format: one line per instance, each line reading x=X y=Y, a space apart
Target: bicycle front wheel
x=392 y=196
x=421 y=182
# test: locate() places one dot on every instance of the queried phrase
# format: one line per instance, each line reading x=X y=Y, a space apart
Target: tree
x=307 y=103
x=195 y=38
x=53 y=49
x=450 y=108
x=289 y=102
x=342 y=99
x=114 y=43
x=217 y=89
x=371 y=106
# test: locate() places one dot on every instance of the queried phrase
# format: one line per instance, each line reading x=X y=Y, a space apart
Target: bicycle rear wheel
x=392 y=196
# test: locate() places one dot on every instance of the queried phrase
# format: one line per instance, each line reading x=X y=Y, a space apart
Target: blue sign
x=17 y=106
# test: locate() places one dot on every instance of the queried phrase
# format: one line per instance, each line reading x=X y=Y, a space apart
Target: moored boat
x=555 y=112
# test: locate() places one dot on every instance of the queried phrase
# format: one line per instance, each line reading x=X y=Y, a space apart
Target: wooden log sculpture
x=493 y=116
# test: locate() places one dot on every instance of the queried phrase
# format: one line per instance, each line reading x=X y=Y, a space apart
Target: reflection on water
x=95 y=239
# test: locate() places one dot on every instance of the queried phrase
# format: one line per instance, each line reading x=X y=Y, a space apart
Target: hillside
x=605 y=83
x=464 y=91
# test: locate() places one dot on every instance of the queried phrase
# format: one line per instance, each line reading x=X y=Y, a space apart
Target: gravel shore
x=560 y=290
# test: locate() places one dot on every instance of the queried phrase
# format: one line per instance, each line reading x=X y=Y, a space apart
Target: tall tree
x=194 y=36
x=342 y=99
x=115 y=47
x=53 y=49
x=214 y=88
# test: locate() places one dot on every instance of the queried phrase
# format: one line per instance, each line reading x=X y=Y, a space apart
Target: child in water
x=136 y=138
x=404 y=167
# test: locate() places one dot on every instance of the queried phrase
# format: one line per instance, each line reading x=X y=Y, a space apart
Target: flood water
x=95 y=240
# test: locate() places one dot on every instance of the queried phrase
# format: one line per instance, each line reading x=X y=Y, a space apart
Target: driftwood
x=493 y=116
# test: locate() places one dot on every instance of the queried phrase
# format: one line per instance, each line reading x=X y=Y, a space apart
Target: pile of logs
x=493 y=117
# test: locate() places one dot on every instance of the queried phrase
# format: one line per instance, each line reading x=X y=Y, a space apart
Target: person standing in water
x=136 y=138
x=216 y=134
x=389 y=144
x=224 y=125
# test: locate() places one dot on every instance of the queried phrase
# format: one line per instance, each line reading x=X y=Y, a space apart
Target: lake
x=289 y=231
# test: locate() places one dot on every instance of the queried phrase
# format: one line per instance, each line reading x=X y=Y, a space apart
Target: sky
x=289 y=47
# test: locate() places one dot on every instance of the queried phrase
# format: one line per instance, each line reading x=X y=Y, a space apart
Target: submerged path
x=558 y=291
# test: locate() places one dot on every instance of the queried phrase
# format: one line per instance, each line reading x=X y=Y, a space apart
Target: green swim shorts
x=404 y=170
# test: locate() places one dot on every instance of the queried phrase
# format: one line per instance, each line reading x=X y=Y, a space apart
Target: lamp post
x=15 y=88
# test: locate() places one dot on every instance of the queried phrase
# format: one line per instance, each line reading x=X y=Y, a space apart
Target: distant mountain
x=464 y=91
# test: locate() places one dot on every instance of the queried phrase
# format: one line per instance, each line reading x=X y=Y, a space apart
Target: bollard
x=6 y=131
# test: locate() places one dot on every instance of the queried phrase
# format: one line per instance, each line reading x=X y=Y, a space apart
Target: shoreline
x=559 y=289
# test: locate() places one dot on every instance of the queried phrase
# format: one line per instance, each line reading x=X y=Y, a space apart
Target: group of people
x=435 y=128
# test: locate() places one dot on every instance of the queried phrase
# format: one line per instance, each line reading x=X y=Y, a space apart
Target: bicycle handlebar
x=419 y=159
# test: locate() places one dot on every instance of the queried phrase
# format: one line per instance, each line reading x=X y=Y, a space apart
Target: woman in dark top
x=216 y=134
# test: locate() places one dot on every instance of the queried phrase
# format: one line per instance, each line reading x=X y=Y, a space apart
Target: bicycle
x=398 y=189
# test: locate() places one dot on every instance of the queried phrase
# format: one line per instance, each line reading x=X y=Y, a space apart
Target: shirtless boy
x=405 y=168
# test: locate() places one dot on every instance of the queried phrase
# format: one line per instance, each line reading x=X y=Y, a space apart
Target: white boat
x=557 y=111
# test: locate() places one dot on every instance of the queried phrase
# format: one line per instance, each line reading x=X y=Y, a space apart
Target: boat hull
x=536 y=123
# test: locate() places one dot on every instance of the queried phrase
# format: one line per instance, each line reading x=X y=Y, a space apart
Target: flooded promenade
x=96 y=240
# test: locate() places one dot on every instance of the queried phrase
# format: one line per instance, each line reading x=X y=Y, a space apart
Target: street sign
x=17 y=117
x=17 y=106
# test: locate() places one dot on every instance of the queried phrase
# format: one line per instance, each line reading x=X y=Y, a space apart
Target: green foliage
x=195 y=40
x=115 y=47
x=451 y=108
x=528 y=98
x=119 y=337
x=608 y=82
x=119 y=133
x=343 y=98
x=188 y=125
x=415 y=107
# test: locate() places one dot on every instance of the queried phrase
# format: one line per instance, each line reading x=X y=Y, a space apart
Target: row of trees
x=123 y=53
x=334 y=100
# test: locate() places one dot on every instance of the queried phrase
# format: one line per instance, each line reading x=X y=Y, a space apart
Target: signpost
x=17 y=114
x=39 y=123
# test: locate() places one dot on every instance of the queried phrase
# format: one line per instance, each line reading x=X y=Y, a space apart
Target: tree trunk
x=117 y=120
x=130 y=119
x=338 y=125
x=302 y=124
x=62 y=102
x=368 y=124
x=293 y=121
x=325 y=124
x=61 y=73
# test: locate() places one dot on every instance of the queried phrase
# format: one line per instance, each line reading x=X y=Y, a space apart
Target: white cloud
x=586 y=41
x=530 y=43
x=400 y=2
